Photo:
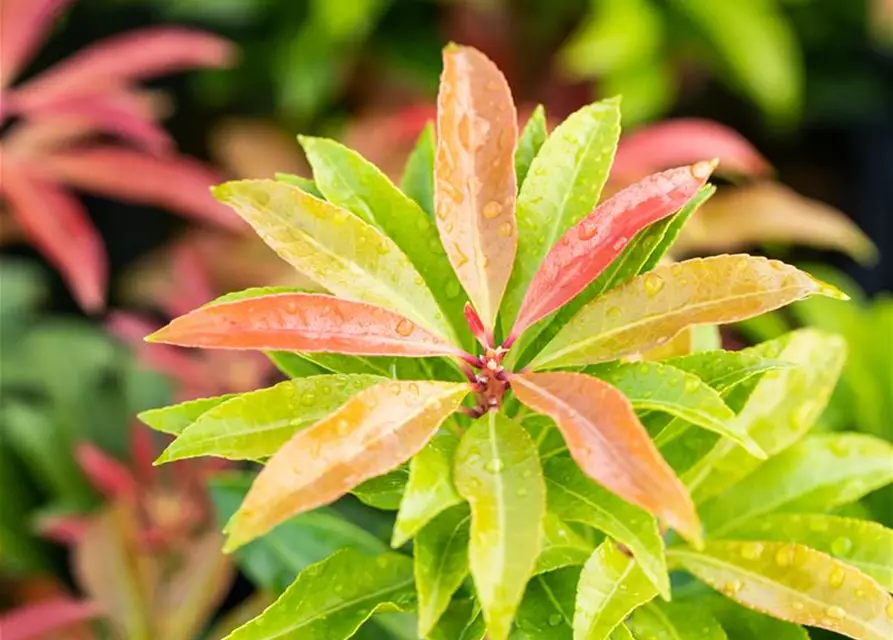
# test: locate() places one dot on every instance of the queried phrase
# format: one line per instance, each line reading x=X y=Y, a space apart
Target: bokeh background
x=106 y=228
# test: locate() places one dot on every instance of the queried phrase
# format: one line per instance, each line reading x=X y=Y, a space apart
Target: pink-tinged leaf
x=609 y=443
x=192 y=287
x=59 y=228
x=176 y=182
x=474 y=176
x=484 y=337
x=142 y=453
x=36 y=621
x=371 y=434
x=685 y=141
x=65 y=530
x=584 y=251
x=107 y=475
x=22 y=29
x=308 y=322
x=125 y=59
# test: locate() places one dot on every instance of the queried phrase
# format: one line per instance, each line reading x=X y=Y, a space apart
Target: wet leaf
x=745 y=624
x=547 y=610
x=474 y=175
x=794 y=583
x=350 y=181
x=529 y=143
x=576 y=498
x=654 y=307
x=372 y=433
x=611 y=586
x=563 y=185
x=332 y=598
x=254 y=425
x=866 y=545
x=587 y=248
x=562 y=546
x=461 y=621
x=418 y=174
x=303 y=322
x=385 y=491
x=497 y=470
x=349 y=257
x=609 y=443
x=674 y=621
x=304 y=184
x=819 y=473
x=175 y=418
x=441 y=564
x=430 y=489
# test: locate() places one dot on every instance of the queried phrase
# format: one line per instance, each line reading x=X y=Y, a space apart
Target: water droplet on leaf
x=841 y=546
x=653 y=283
x=554 y=620
x=405 y=327
x=752 y=550
x=492 y=209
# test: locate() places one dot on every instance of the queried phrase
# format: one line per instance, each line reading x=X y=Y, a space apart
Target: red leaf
x=59 y=228
x=303 y=322
x=609 y=443
x=477 y=327
x=63 y=529
x=175 y=182
x=36 y=620
x=685 y=141
x=110 y=477
x=22 y=29
x=123 y=59
x=583 y=252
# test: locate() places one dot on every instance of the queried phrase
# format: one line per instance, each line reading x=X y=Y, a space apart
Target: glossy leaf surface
x=675 y=621
x=586 y=249
x=794 y=583
x=303 y=322
x=497 y=470
x=654 y=307
x=349 y=257
x=563 y=185
x=531 y=139
x=547 y=610
x=374 y=432
x=332 y=598
x=609 y=443
x=474 y=175
x=175 y=418
x=611 y=586
x=562 y=546
x=745 y=624
x=254 y=425
x=418 y=174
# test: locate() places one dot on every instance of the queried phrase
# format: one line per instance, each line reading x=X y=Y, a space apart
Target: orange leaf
x=609 y=443
x=374 y=432
x=303 y=322
x=474 y=174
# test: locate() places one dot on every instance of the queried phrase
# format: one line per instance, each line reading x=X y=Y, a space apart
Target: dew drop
x=383 y=248
x=613 y=312
x=835 y=612
x=835 y=580
x=784 y=556
x=342 y=427
x=702 y=170
x=731 y=588
x=653 y=284
x=505 y=229
x=492 y=209
x=797 y=606
x=494 y=465
x=554 y=620
x=841 y=546
x=453 y=289
x=308 y=399
x=752 y=550
x=691 y=385
x=405 y=327
x=620 y=243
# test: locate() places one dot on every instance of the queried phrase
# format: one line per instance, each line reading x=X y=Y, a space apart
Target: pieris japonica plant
x=522 y=366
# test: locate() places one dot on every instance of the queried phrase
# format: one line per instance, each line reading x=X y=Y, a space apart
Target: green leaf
x=497 y=471
x=385 y=491
x=418 y=174
x=611 y=586
x=547 y=610
x=175 y=418
x=344 y=254
x=561 y=546
x=255 y=292
x=441 y=563
x=532 y=138
x=350 y=181
x=819 y=473
x=563 y=185
x=546 y=435
x=331 y=599
x=866 y=545
x=304 y=184
x=294 y=365
x=655 y=386
x=777 y=412
x=574 y=497
x=430 y=488
x=461 y=621
x=744 y=624
x=675 y=621
x=254 y=425
x=794 y=583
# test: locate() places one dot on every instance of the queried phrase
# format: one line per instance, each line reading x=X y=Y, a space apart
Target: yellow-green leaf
x=547 y=610
x=497 y=470
x=174 y=419
x=418 y=174
x=675 y=621
x=562 y=546
x=532 y=138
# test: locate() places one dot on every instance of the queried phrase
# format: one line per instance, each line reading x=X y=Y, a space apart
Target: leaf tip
x=829 y=290
x=156 y=337
x=702 y=170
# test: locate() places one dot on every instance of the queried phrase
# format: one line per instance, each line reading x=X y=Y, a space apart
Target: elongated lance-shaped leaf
x=611 y=586
x=174 y=419
x=497 y=470
x=302 y=183
x=576 y=498
x=461 y=621
x=794 y=583
x=254 y=425
x=430 y=487
x=547 y=610
x=675 y=621
x=347 y=256
x=819 y=473
x=866 y=545
x=372 y=433
x=562 y=546
x=746 y=624
x=529 y=143
x=654 y=386
x=584 y=251
x=332 y=598
x=303 y=322
x=418 y=174
x=474 y=175
x=652 y=308
x=441 y=564
x=563 y=184
x=609 y=443
x=350 y=181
